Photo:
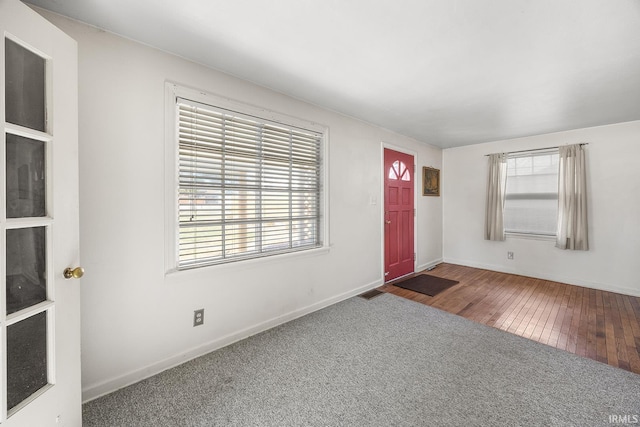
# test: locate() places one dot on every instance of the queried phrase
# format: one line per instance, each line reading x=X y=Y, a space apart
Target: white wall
x=612 y=263
x=136 y=320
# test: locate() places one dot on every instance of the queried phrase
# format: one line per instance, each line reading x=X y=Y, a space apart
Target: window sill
x=524 y=236
x=252 y=262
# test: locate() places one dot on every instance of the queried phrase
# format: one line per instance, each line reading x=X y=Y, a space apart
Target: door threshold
x=397 y=279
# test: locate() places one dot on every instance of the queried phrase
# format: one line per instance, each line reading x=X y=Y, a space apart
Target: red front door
x=398 y=214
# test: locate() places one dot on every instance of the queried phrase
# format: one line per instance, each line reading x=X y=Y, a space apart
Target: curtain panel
x=496 y=187
x=572 y=199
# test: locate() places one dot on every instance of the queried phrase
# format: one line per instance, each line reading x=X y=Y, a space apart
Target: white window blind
x=248 y=187
x=531 y=198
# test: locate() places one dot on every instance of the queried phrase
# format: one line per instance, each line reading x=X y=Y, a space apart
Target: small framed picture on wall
x=430 y=181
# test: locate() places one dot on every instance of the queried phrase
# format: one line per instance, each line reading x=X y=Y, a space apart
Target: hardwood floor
x=602 y=326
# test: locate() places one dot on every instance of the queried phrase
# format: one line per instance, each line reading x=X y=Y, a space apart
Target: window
x=399 y=171
x=248 y=187
x=531 y=198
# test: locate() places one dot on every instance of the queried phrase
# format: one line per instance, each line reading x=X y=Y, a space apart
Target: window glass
x=26 y=358
x=248 y=187
x=24 y=87
x=399 y=171
x=25 y=177
x=531 y=198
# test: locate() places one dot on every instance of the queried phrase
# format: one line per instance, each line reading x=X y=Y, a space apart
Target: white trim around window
x=182 y=102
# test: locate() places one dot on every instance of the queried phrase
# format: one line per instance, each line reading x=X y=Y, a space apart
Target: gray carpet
x=380 y=362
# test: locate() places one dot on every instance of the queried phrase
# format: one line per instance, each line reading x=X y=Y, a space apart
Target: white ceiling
x=447 y=72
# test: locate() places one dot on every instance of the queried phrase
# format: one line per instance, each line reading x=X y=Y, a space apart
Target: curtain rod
x=535 y=149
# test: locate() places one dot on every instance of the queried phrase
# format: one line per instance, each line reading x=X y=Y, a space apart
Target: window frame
x=521 y=234
x=173 y=92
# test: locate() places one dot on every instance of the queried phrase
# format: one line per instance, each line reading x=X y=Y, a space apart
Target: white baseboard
x=551 y=277
x=428 y=264
x=95 y=391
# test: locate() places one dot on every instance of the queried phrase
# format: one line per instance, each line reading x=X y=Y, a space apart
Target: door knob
x=73 y=273
x=387 y=222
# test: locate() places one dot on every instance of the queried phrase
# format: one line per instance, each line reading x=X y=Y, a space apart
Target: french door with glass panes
x=39 y=315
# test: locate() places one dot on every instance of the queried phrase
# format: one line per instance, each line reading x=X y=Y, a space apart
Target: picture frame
x=430 y=181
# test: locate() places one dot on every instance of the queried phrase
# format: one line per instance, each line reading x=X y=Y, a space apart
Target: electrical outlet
x=509 y=255
x=198 y=317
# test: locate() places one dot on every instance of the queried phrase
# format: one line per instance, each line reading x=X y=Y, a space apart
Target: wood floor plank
x=504 y=322
x=507 y=304
x=568 y=312
x=583 y=327
x=538 y=318
x=619 y=341
x=577 y=323
x=553 y=307
x=629 y=323
x=600 y=325
x=525 y=313
x=554 y=324
x=601 y=343
x=592 y=343
x=530 y=319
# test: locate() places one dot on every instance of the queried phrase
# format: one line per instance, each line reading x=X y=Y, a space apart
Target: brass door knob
x=74 y=273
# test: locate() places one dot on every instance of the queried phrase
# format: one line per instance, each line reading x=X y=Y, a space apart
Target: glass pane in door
x=26 y=358
x=26 y=187
x=24 y=87
x=26 y=268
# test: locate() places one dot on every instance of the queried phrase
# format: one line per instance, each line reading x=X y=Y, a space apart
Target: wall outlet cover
x=198 y=317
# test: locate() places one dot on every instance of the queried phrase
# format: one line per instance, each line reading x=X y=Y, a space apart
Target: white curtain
x=572 y=199
x=496 y=186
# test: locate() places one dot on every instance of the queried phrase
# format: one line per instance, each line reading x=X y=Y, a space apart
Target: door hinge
x=414 y=256
x=414 y=211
